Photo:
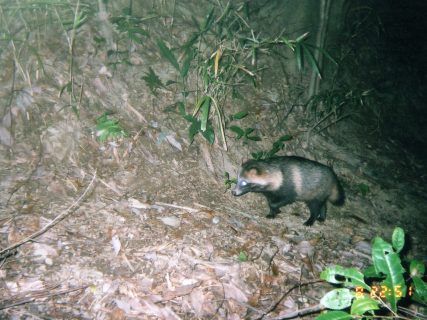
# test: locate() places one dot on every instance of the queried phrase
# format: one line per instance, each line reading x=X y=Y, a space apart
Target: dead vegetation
x=142 y=227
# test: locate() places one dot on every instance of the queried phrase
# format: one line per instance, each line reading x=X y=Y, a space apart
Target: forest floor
x=144 y=226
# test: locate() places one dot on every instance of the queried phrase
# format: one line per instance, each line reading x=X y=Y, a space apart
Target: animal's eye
x=243 y=183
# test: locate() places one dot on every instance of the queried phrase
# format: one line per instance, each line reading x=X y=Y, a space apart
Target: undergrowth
x=222 y=52
x=26 y=25
x=218 y=58
x=381 y=290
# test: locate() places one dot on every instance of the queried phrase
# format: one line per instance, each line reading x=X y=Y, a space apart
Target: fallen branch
x=188 y=209
x=38 y=294
x=296 y=313
x=9 y=250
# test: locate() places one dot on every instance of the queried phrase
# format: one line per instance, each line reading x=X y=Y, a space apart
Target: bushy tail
x=337 y=196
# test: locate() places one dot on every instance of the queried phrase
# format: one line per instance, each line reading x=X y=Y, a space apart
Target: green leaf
x=181 y=108
x=370 y=272
x=289 y=43
x=334 y=315
x=106 y=128
x=337 y=299
x=248 y=131
x=394 y=289
x=387 y=262
x=189 y=55
x=205 y=107
x=302 y=37
x=254 y=138
x=299 y=56
x=258 y=155
x=193 y=130
x=312 y=60
x=243 y=256
x=207 y=23
x=191 y=41
x=327 y=55
x=238 y=131
x=209 y=134
x=360 y=306
x=152 y=81
x=137 y=34
x=168 y=54
x=286 y=137
x=199 y=104
x=363 y=188
x=384 y=258
x=416 y=268
x=398 y=239
x=351 y=277
x=419 y=290
x=239 y=115
x=65 y=87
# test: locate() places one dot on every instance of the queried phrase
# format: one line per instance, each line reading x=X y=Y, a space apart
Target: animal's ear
x=252 y=172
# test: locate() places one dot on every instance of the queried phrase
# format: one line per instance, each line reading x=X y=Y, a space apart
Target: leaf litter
x=153 y=234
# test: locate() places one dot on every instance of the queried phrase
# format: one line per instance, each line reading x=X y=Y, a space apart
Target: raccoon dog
x=284 y=180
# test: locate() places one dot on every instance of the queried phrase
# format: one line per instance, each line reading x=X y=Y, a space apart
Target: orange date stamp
x=382 y=291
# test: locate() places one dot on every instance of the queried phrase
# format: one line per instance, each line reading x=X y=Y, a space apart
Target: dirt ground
x=143 y=227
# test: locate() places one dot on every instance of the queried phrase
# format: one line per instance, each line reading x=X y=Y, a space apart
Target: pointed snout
x=236 y=192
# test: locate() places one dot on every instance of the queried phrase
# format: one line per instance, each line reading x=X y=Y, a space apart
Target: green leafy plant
x=196 y=125
x=278 y=145
x=303 y=51
x=132 y=30
x=108 y=129
x=153 y=81
x=379 y=288
x=132 y=26
x=43 y=20
x=246 y=133
x=243 y=256
x=335 y=104
x=222 y=53
x=70 y=28
x=229 y=182
x=363 y=189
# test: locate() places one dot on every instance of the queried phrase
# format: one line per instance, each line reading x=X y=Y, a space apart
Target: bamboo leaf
x=239 y=115
x=238 y=131
x=205 y=113
x=189 y=55
x=193 y=129
x=209 y=135
x=302 y=37
x=312 y=60
x=299 y=56
x=152 y=81
x=168 y=54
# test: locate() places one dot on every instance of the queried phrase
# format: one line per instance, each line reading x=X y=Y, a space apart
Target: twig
x=54 y=222
x=300 y=312
x=40 y=295
x=191 y=210
x=412 y=313
x=295 y=313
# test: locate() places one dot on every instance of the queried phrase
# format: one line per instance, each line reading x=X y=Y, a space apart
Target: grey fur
x=284 y=180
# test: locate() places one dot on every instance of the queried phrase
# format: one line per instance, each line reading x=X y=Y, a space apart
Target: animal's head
x=257 y=176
